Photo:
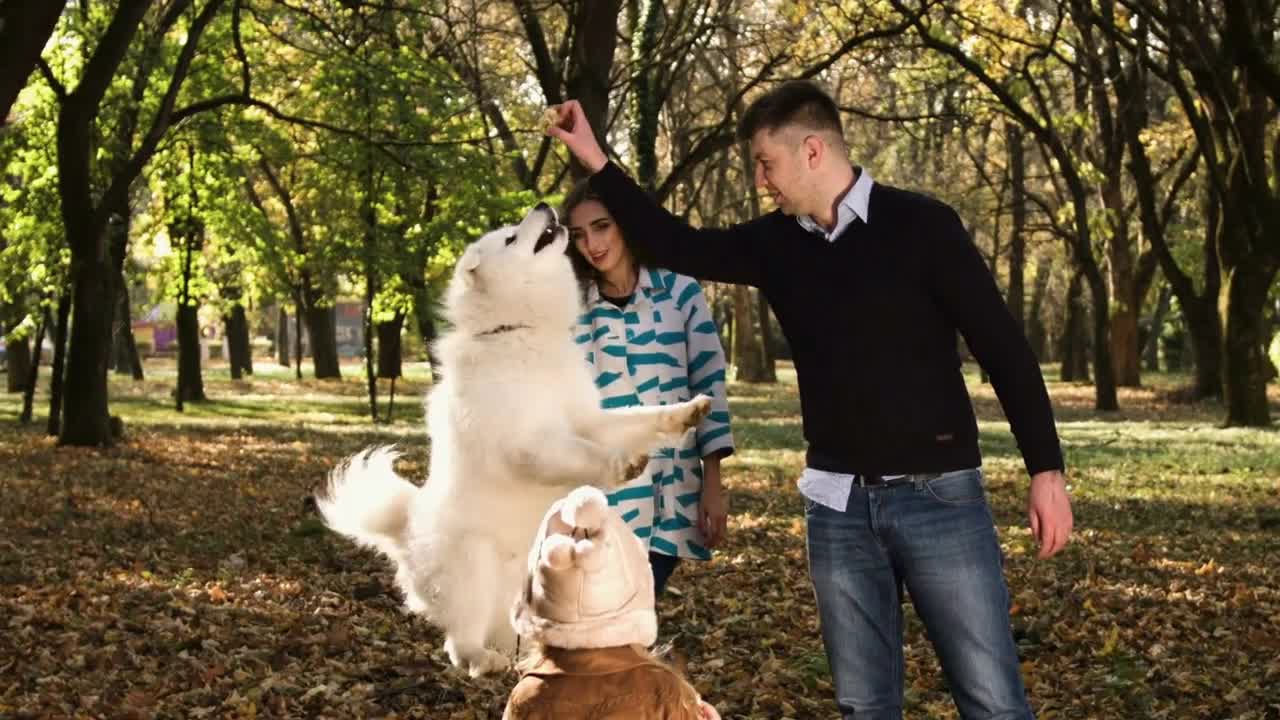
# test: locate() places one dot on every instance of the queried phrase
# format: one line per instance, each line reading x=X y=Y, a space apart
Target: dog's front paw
x=487 y=662
x=688 y=414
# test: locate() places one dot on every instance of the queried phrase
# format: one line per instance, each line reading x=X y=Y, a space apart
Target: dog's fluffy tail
x=368 y=502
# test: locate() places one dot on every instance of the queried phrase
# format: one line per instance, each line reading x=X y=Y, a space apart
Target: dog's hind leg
x=470 y=604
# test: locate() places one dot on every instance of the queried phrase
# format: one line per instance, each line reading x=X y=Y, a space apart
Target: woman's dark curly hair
x=582 y=268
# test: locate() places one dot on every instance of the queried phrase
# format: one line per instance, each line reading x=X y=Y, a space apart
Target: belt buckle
x=866 y=481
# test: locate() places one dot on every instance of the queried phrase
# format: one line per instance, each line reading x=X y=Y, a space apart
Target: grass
x=181 y=575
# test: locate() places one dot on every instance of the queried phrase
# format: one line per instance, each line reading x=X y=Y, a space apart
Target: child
x=587 y=606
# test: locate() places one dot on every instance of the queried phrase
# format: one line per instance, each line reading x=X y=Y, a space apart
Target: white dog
x=515 y=423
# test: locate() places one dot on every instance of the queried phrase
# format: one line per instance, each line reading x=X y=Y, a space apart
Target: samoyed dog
x=515 y=423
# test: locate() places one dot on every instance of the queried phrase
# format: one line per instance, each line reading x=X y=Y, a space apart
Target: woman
x=650 y=340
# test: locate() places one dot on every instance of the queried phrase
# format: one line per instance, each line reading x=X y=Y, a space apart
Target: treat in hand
x=550 y=117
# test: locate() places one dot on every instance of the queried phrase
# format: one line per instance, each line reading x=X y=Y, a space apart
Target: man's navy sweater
x=871 y=318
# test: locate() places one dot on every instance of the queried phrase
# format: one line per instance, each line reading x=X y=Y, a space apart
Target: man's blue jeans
x=936 y=537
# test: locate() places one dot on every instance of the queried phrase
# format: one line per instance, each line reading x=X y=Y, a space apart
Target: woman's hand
x=713 y=506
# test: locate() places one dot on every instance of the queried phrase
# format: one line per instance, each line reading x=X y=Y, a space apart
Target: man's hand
x=574 y=131
x=1049 y=510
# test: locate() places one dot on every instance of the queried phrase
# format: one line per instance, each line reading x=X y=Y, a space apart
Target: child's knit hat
x=589 y=584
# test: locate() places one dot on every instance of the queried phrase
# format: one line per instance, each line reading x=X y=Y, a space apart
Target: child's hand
x=706 y=712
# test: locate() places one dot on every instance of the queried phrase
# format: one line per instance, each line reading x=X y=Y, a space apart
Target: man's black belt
x=866 y=481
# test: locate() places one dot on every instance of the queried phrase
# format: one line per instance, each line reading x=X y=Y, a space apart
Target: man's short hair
x=794 y=102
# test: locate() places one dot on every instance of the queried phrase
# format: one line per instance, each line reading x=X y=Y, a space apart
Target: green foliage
x=33 y=257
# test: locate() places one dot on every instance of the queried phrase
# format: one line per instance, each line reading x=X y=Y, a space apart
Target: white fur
x=515 y=424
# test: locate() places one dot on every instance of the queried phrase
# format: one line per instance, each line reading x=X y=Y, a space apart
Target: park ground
x=181 y=575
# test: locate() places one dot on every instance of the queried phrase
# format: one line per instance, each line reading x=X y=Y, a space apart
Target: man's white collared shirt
x=853 y=206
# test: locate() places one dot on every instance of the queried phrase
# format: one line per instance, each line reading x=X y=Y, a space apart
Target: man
x=870 y=285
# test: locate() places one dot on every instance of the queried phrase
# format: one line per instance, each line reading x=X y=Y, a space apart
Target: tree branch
x=718 y=138
x=544 y=67
x=119 y=188
x=109 y=54
x=881 y=117
x=58 y=88
x=859 y=40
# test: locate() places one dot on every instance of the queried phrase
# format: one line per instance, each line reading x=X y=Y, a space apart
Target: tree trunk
x=29 y=394
x=1125 y=350
x=727 y=325
x=768 y=368
x=646 y=102
x=1099 y=66
x=322 y=328
x=282 y=336
x=86 y=420
x=1103 y=369
x=96 y=270
x=298 y=311
x=1244 y=367
x=127 y=360
x=1249 y=255
x=1151 y=342
x=1075 y=358
x=25 y=27
x=1269 y=336
x=239 y=349
x=19 y=362
x=389 y=352
x=1205 y=328
x=1037 y=336
x=370 y=217
x=1232 y=114
x=595 y=39
x=119 y=348
x=57 y=372
x=190 y=380
x=1017 y=234
x=370 y=374
x=424 y=314
x=746 y=354
x=391 y=403
x=1125 y=294
x=1198 y=307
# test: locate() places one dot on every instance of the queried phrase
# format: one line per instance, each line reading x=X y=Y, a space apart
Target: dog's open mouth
x=547 y=237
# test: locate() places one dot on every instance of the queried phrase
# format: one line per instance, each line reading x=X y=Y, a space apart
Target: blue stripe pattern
x=661 y=349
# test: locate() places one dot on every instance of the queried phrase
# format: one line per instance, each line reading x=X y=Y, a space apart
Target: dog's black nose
x=543 y=207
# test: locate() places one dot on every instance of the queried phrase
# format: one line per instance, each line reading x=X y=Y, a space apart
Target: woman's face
x=596 y=236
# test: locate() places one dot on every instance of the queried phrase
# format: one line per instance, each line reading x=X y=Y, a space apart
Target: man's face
x=782 y=168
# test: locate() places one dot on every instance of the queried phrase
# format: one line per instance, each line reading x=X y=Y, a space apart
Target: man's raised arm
x=735 y=254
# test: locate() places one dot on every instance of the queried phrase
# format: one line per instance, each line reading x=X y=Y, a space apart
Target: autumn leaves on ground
x=180 y=575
